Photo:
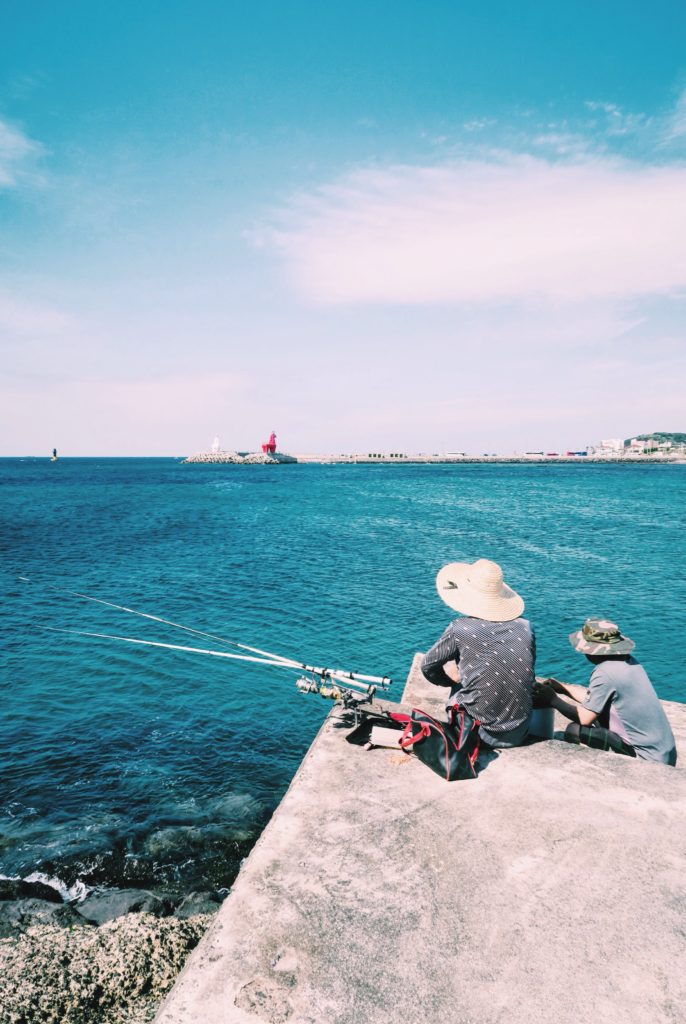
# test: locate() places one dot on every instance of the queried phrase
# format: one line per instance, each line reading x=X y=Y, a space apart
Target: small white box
x=381 y=737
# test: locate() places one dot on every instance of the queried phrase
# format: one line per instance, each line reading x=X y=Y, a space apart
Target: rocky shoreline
x=109 y=958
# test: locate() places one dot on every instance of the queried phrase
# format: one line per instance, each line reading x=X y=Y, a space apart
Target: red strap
x=407 y=739
x=398 y=716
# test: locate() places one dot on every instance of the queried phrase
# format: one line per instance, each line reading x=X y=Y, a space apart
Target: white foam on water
x=78 y=891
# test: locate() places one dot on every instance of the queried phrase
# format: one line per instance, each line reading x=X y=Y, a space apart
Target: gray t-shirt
x=623 y=687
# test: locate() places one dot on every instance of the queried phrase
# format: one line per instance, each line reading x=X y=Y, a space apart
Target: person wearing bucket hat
x=487 y=655
x=619 y=710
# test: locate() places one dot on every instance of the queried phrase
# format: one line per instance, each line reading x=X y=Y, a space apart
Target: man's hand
x=452 y=671
x=543 y=694
x=554 y=684
x=546 y=695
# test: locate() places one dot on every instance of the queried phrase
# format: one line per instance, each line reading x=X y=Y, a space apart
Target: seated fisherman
x=619 y=710
x=487 y=657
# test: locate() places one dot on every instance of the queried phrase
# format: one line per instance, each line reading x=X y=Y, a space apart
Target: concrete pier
x=552 y=888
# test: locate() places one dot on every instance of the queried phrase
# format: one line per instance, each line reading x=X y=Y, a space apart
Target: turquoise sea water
x=141 y=766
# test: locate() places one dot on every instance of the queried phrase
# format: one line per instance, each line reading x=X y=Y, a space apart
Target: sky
x=368 y=226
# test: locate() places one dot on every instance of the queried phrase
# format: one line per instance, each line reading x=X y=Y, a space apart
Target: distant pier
x=395 y=459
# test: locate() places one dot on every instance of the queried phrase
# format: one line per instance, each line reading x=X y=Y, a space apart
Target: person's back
x=496 y=665
x=486 y=657
x=622 y=686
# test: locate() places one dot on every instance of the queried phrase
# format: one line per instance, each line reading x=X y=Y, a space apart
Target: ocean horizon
x=142 y=766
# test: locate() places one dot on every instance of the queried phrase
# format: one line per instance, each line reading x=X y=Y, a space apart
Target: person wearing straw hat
x=487 y=655
x=619 y=710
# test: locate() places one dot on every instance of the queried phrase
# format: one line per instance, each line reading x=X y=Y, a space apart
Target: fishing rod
x=154 y=618
x=383 y=681
x=324 y=681
x=324 y=673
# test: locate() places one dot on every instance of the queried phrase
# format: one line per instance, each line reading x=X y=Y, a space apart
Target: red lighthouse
x=270 y=447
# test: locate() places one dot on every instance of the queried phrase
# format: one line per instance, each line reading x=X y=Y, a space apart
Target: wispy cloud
x=675 y=127
x=18 y=155
x=616 y=120
x=475 y=231
x=662 y=131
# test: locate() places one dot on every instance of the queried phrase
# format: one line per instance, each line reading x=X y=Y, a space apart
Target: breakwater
x=258 y=458
x=503 y=460
x=241 y=459
x=375 y=879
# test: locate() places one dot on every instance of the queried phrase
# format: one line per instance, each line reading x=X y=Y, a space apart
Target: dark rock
x=169 y=842
x=170 y=900
x=18 y=915
x=198 y=903
x=111 y=903
x=18 y=889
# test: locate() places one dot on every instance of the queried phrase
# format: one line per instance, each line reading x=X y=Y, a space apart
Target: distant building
x=637 y=445
x=612 y=445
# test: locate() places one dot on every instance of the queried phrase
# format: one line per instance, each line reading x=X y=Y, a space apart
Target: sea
x=128 y=765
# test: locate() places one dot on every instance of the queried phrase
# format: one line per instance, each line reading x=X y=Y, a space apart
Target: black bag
x=449 y=748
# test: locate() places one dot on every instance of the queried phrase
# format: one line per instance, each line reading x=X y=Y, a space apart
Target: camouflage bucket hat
x=600 y=636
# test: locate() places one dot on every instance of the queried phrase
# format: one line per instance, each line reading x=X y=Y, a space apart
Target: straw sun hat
x=600 y=636
x=477 y=589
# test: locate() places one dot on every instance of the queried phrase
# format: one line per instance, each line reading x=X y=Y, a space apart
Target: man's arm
x=547 y=696
x=573 y=690
x=574 y=712
x=443 y=651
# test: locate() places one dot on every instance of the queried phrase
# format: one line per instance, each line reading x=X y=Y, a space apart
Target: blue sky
x=400 y=226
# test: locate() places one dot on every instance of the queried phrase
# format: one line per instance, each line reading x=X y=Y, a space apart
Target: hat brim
x=460 y=595
x=584 y=646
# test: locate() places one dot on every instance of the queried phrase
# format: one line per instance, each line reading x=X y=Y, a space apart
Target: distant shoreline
x=208 y=458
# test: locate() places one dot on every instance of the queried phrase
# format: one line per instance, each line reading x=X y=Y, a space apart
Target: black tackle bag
x=449 y=748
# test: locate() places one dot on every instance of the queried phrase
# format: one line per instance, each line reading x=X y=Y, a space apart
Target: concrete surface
x=550 y=889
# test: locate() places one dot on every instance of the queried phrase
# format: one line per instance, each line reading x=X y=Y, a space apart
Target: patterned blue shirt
x=496 y=662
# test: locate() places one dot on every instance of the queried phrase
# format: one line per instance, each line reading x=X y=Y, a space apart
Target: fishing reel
x=329 y=689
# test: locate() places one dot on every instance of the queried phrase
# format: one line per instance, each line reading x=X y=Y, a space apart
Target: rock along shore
x=109 y=958
x=236 y=458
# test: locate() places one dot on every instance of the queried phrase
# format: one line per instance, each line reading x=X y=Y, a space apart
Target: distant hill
x=659 y=436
